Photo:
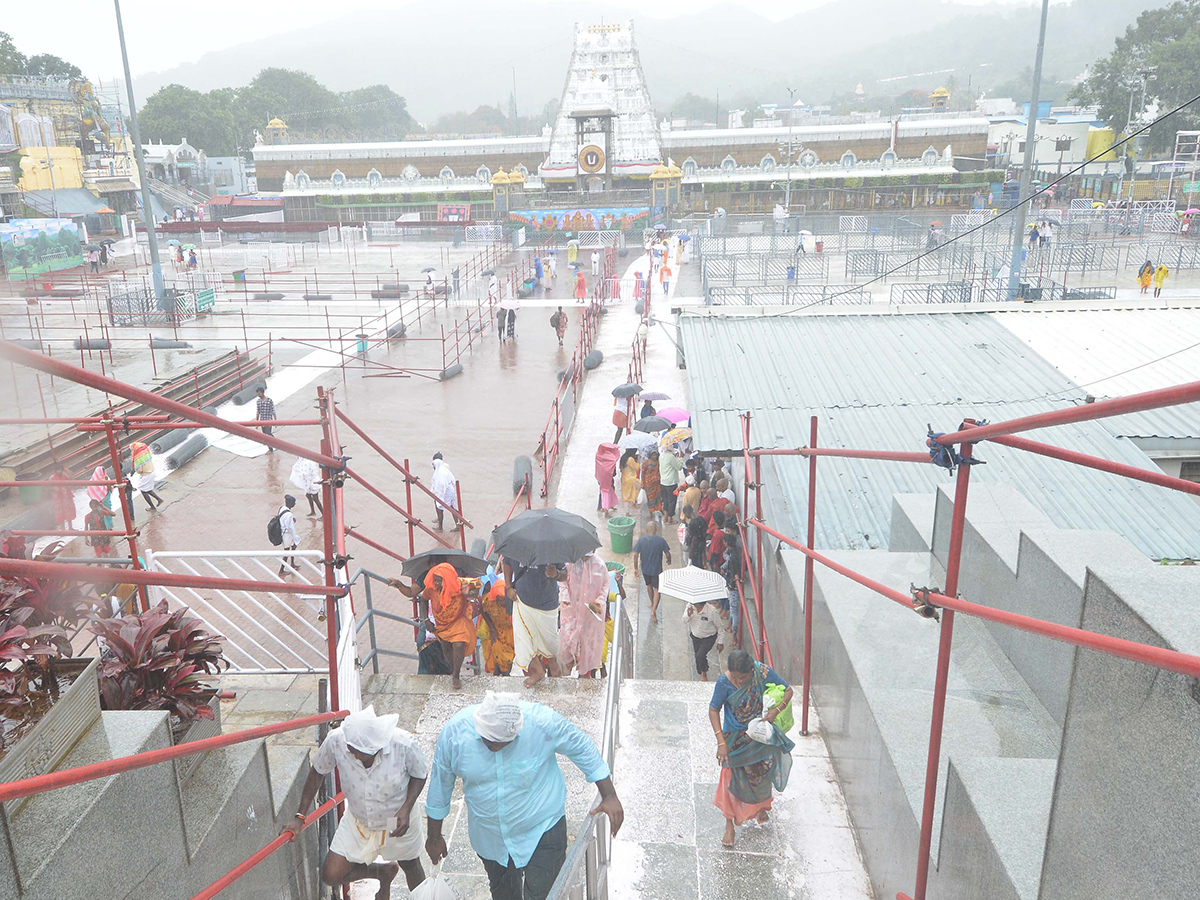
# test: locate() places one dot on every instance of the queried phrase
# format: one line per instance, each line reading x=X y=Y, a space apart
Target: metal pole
x=787 y=193
x=953 y=560
x=1125 y=147
x=147 y=210
x=808 y=573
x=408 y=504
x=758 y=596
x=1014 y=268
x=115 y=456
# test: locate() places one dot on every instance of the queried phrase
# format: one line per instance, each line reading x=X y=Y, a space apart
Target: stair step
x=45 y=823
x=207 y=795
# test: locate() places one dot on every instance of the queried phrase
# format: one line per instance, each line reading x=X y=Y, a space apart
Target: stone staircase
x=145 y=834
x=1011 y=697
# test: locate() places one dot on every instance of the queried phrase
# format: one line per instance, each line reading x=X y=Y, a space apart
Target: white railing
x=264 y=632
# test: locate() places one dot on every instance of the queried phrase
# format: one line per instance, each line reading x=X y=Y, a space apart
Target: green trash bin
x=239 y=275
x=620 y=531
x=33 y=494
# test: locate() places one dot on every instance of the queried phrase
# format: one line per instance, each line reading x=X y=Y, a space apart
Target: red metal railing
x=926 y=602
x=559 y=422
x=38 y=784
x=238 y=871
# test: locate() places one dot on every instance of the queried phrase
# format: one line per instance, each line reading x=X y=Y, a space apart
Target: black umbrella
x=544 y=537
x=418 y=565
x=627 y=390
x=91 y=247
x=653 y=423
x=488 y=272
x=109 y=241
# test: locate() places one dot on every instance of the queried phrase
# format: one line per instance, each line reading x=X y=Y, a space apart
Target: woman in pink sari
x=607 y=456
x=581 y=615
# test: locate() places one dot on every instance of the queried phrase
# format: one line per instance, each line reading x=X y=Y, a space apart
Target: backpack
x=275 y=530
x=554 y=321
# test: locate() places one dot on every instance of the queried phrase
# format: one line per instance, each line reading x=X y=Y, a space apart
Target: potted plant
x=160 y=660
x=47 y=700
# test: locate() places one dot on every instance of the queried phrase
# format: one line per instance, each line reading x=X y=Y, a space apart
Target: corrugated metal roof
x=1114 y=352
x=875 y=382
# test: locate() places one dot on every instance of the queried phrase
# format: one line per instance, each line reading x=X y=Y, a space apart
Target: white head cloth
x=499 y=717
x=368 y=732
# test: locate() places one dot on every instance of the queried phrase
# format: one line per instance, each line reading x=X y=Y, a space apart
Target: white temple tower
x=606 y=130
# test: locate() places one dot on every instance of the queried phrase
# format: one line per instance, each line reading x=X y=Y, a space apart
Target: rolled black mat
x=185 y=451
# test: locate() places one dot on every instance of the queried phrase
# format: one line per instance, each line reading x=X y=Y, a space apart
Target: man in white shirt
x=382 y=772
x=287 y=527
x=707 y=626
x=595 y=262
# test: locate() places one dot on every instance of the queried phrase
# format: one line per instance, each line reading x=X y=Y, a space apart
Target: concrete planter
x=196 y=730
x=77 y=708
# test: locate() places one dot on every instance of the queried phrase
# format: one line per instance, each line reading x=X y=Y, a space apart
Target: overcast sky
x=160 y=35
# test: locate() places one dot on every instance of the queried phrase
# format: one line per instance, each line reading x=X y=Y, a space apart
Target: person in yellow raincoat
x=1145 y=273
x=1160 y=276
x=495 y=631
x=630 y=483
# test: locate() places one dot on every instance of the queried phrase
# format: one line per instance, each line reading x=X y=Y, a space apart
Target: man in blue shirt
x=505 y=752
x=648 y=563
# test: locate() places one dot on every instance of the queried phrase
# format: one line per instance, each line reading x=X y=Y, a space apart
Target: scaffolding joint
x=921 y=604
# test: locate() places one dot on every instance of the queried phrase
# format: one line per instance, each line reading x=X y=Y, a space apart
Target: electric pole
x=1014 y=267
x=147 y=210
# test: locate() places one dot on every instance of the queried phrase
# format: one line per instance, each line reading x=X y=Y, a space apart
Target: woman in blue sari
x=749 y=768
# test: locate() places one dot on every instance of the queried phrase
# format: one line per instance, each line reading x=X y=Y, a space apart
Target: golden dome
x=501 y=177
x=661 y=171
x=515 y=177
x=940 y=92
x=674 y=171
x=277 y=123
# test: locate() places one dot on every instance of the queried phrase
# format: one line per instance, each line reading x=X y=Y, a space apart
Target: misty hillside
x=728 y=50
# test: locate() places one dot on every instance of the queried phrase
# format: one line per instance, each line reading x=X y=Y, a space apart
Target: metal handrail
x=238 y=871
x=368 y=619
x=592 y=846
x=38 y=784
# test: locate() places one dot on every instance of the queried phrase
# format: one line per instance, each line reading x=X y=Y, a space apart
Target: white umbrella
x=693 y=585
x=637 y=440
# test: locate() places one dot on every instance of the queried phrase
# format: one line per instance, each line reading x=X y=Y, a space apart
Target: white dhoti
x=535 y=633
x=357 y=843
x=144 y=483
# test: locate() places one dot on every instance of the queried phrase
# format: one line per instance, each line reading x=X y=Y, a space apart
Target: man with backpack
x=281 y=531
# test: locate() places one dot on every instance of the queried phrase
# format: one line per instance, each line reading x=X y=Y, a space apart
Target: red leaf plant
x=158 y=660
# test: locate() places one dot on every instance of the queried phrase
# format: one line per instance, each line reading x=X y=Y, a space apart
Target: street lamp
x=147 y=210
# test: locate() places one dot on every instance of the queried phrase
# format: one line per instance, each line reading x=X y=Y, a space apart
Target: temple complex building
x=606 y=143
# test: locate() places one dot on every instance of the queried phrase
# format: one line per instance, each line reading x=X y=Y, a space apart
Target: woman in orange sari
x=495 y=630
x=450 y=615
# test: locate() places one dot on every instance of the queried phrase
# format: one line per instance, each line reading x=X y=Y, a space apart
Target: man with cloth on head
x=505 y=751
x=382 y=773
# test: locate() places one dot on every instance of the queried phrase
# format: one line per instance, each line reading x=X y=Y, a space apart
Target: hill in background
x=457 y=55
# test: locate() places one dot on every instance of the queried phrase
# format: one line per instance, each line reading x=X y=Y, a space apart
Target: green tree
x=49 y=64
x=12 y=60
x=375 y=112
x=694 y=107
x=175 y=112
x=1165 y=42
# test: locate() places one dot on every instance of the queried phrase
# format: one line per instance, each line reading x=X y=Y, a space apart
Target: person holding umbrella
x=443 y=600
x=535 y=618
x=448 y=616
x=535 y=548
